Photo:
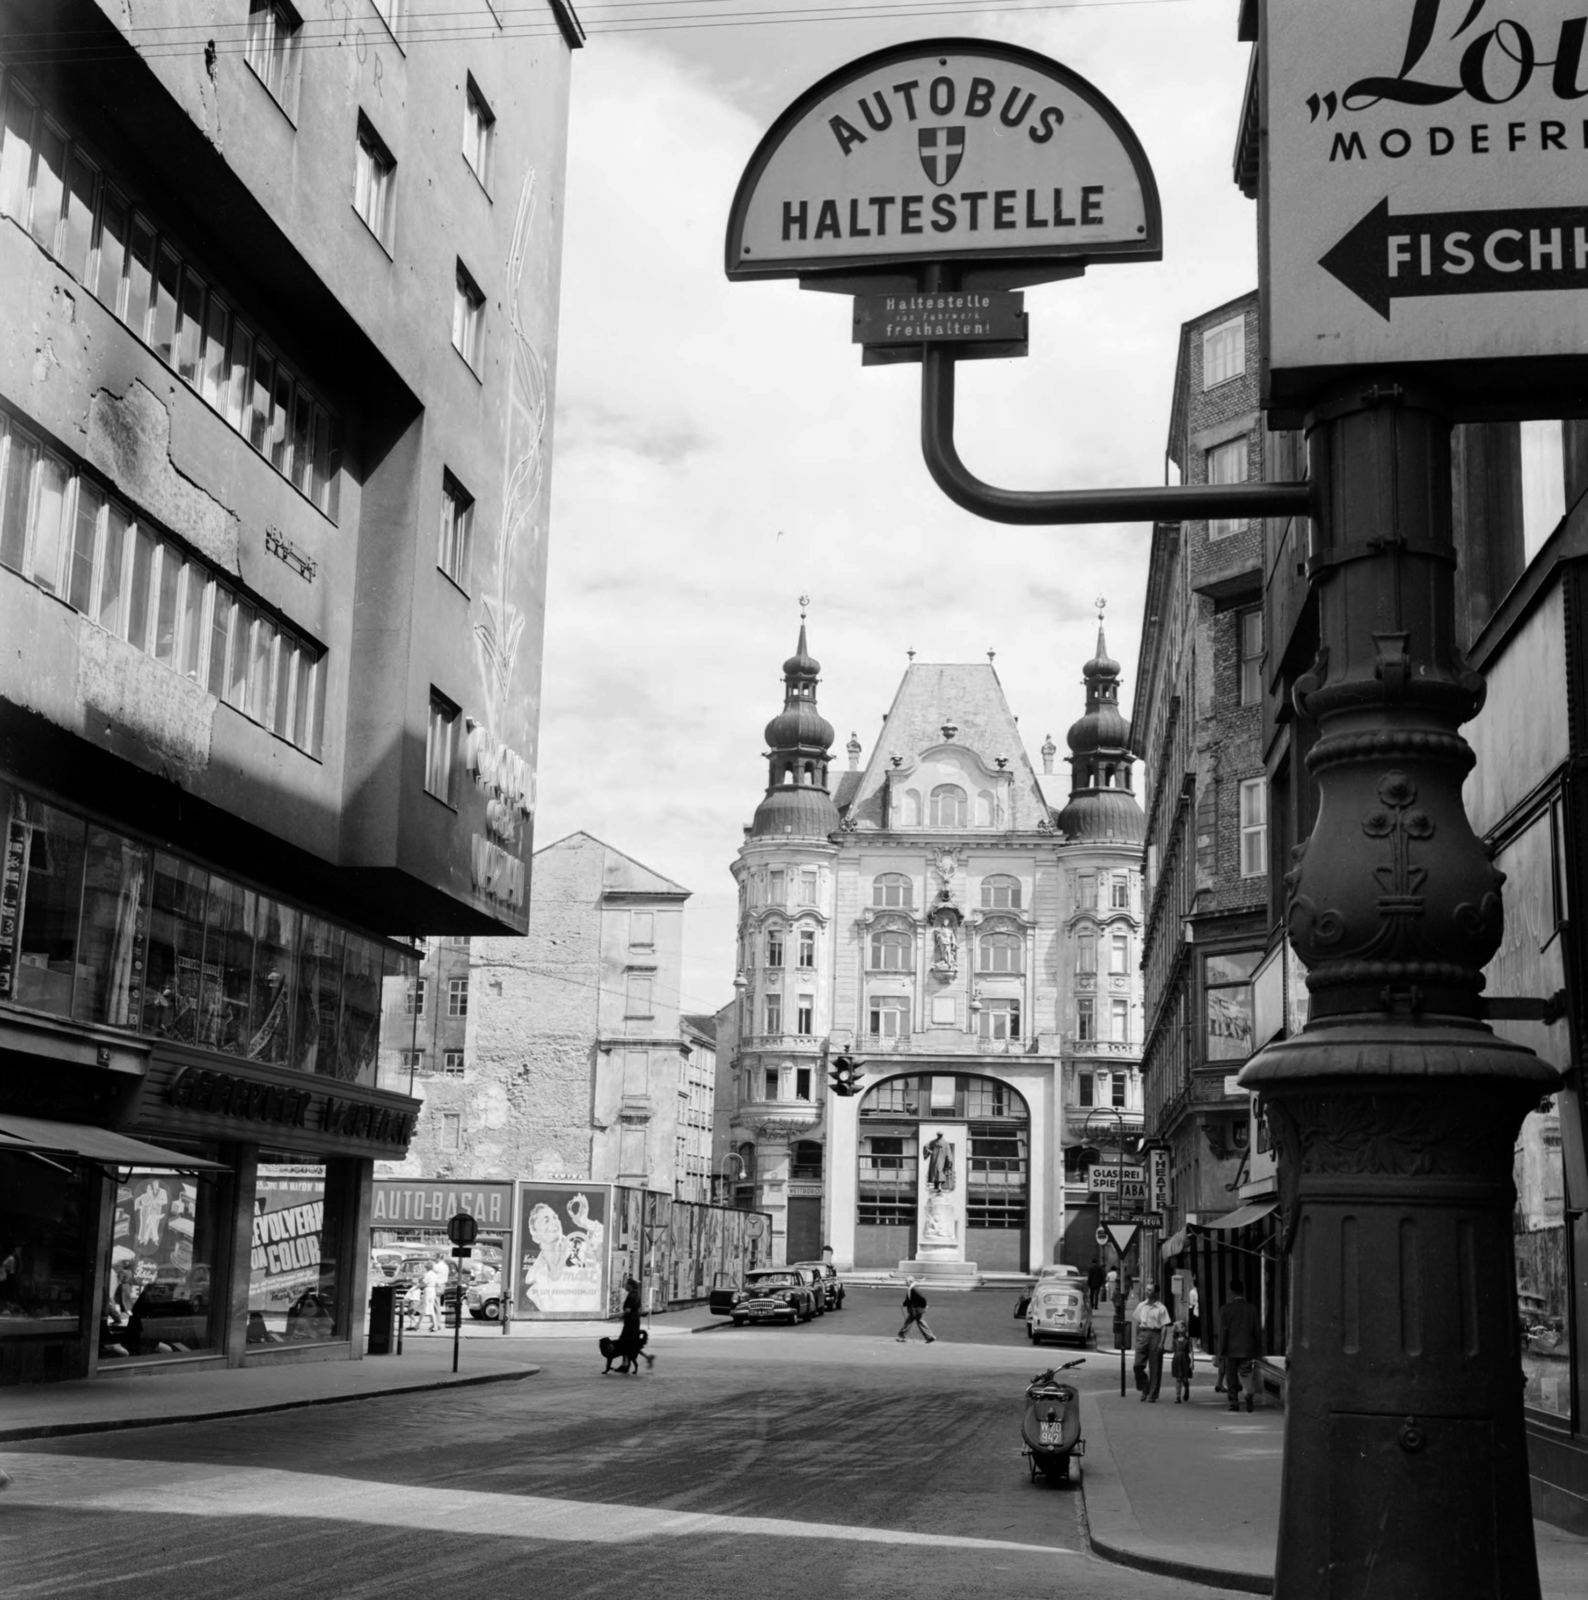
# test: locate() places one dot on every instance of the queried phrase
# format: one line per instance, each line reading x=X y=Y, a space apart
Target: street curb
x=1161 y=1566
x=63 y=1430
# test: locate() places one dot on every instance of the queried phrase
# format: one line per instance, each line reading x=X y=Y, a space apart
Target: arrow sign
x=1121 y=1233
x=1385 y=258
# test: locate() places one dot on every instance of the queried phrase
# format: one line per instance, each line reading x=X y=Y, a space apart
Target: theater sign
x=948 y=150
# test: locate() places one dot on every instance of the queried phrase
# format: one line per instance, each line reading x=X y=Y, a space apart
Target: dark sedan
x=773 y=1294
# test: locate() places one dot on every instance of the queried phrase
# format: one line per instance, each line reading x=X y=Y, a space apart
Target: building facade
x=275 y=387
x=924 y=915
x=1197 y=727
x=565 y=1054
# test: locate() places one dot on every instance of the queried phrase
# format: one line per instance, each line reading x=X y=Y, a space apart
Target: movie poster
x=561 y=1241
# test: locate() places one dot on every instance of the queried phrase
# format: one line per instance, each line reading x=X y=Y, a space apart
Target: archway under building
x=893 y=1115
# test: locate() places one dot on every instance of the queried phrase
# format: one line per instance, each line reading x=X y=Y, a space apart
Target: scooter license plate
x=1052 y=1433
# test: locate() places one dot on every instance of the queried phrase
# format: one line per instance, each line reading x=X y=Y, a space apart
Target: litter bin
x=385 y=1308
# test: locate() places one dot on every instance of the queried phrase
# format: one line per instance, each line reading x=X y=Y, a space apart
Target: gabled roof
x=620 y=872
x=968 y=698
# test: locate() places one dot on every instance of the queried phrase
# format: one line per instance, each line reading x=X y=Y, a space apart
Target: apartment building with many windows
x=275 y=385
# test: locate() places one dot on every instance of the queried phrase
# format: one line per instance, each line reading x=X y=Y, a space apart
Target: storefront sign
x=949 y=150
x=1128 y=1183
x=228 y=1094
x=1424 y=189
x=399 y=1203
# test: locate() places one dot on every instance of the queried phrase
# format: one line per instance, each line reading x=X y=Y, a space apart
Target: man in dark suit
x=1240 y=1343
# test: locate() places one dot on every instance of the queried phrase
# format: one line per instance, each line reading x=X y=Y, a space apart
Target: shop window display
x=293 y=1279
x=228 y=968
x=275 y=966
x=171 y=996
x=319 y=997
x=162 y=1282
x=40 y=897
x=359 y=1043
x=115 y=931
x=44 y=1219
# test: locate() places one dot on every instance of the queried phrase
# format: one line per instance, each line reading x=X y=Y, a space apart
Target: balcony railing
x=781 y=1041
x=1101 y=1047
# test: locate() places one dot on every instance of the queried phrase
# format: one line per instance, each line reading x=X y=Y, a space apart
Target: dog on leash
x=626 y=1363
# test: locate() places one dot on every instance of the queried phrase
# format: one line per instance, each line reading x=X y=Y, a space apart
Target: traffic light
x=845 y=1076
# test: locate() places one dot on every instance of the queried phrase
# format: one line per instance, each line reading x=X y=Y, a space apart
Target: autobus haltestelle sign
x=951 y=150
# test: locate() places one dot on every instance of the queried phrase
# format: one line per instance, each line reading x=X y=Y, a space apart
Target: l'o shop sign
x=1424 y=197
x=950 y=150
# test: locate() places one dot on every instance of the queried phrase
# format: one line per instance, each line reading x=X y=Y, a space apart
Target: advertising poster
x=561 y=1241
x=289 y=1208
x=153 y=1235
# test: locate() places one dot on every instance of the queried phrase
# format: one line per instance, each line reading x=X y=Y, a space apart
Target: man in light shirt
x=1152 y=1318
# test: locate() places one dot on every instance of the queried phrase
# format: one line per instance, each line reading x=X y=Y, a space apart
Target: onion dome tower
x=798 y=739
x=1102 y=806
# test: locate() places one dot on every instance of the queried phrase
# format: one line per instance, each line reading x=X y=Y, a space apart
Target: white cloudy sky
x=719 y=449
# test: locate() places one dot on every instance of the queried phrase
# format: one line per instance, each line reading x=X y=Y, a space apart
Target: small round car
x=1060 y=1310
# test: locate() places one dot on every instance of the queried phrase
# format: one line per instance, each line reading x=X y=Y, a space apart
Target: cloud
x=698 y=420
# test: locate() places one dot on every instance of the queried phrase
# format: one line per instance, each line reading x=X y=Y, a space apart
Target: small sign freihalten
x=943 y=317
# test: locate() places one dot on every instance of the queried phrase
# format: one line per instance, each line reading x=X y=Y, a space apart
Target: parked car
x=484 y=1299
x=1060 y=1309
x=774 y=1293
x=832 y=1286
x=724 y=1289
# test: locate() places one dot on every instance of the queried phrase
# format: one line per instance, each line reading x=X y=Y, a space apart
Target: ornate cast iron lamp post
x=1396 y=1109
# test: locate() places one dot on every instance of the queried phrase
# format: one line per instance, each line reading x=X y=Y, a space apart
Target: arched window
x=912 y=808
x=950 y=808
x=984 y=808
x=890 y=889
x=810 y=773
x=1000 y=893
x=891 y=950
x=788 y=774
x=1000 y=952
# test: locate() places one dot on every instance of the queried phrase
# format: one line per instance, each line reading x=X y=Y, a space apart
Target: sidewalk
x=155 y=1396
x=1192 y=1491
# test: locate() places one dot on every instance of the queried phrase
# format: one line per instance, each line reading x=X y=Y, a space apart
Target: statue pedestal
x=936 y=1269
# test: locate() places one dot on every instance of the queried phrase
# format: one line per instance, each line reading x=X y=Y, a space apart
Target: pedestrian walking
x=1152 y=1318
x=1182 y=1361
x=1095 y=1279
x=915 y=1312
x=1193 y=1317
x=1110 y=1283
x=430 y=1295
x=631 y=1339
x=1240 y=1339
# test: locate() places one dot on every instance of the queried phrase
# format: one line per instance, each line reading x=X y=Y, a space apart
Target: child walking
x=1181 y=1364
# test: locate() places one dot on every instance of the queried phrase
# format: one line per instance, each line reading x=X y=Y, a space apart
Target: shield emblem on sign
x=941 y=152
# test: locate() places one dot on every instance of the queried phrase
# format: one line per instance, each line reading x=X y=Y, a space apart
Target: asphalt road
x=823 y=1460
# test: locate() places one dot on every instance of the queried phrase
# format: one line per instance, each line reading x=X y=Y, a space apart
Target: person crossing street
x=915 y=1312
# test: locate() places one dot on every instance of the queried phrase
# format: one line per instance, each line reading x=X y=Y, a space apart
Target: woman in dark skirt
x=631 y=1340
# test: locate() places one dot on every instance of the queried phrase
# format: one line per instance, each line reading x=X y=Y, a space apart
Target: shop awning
x=95 y=1144
x=1173 y=1245
x=1243 y=1217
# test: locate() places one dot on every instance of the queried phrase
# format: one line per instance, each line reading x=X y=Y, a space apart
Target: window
x=274 y=34
x=774 y=947
x=1086 y=1018
x=1121 y=892
x=805 y=1014
x=1254 y=827
x=1120 y=1018
x=771 y=1083
x=774 y=1013
x=1001 y=952
x=890 y=1016
x=411 y=1060
x=441 y=748
x=891 y=950
x=1250 y=624
x=1116 y=1094
x=642 y=930
x=802 y=1083
x=808 y=887
x=374 y=182
x=468 y=318
x=479 y=129
x=1086 y=890
x=414 y=998
x=451 y=1131
x=1223 y=352
x=776 y=894
x=891 y=889
x=1085 y=1089
x=49 y=184
x=451 y=1063
x=999 y=1019
x=807 y=955
x=1227 y=979
x=63 y=532
x=1226 y=463
x=1086 y=951
x=457 y=997
x=637 y=995
x=457 y=528
x=950 y=806
x=1000 y=893
x=1119 y=954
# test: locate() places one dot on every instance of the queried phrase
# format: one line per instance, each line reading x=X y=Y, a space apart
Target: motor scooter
x=1051 y=1427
